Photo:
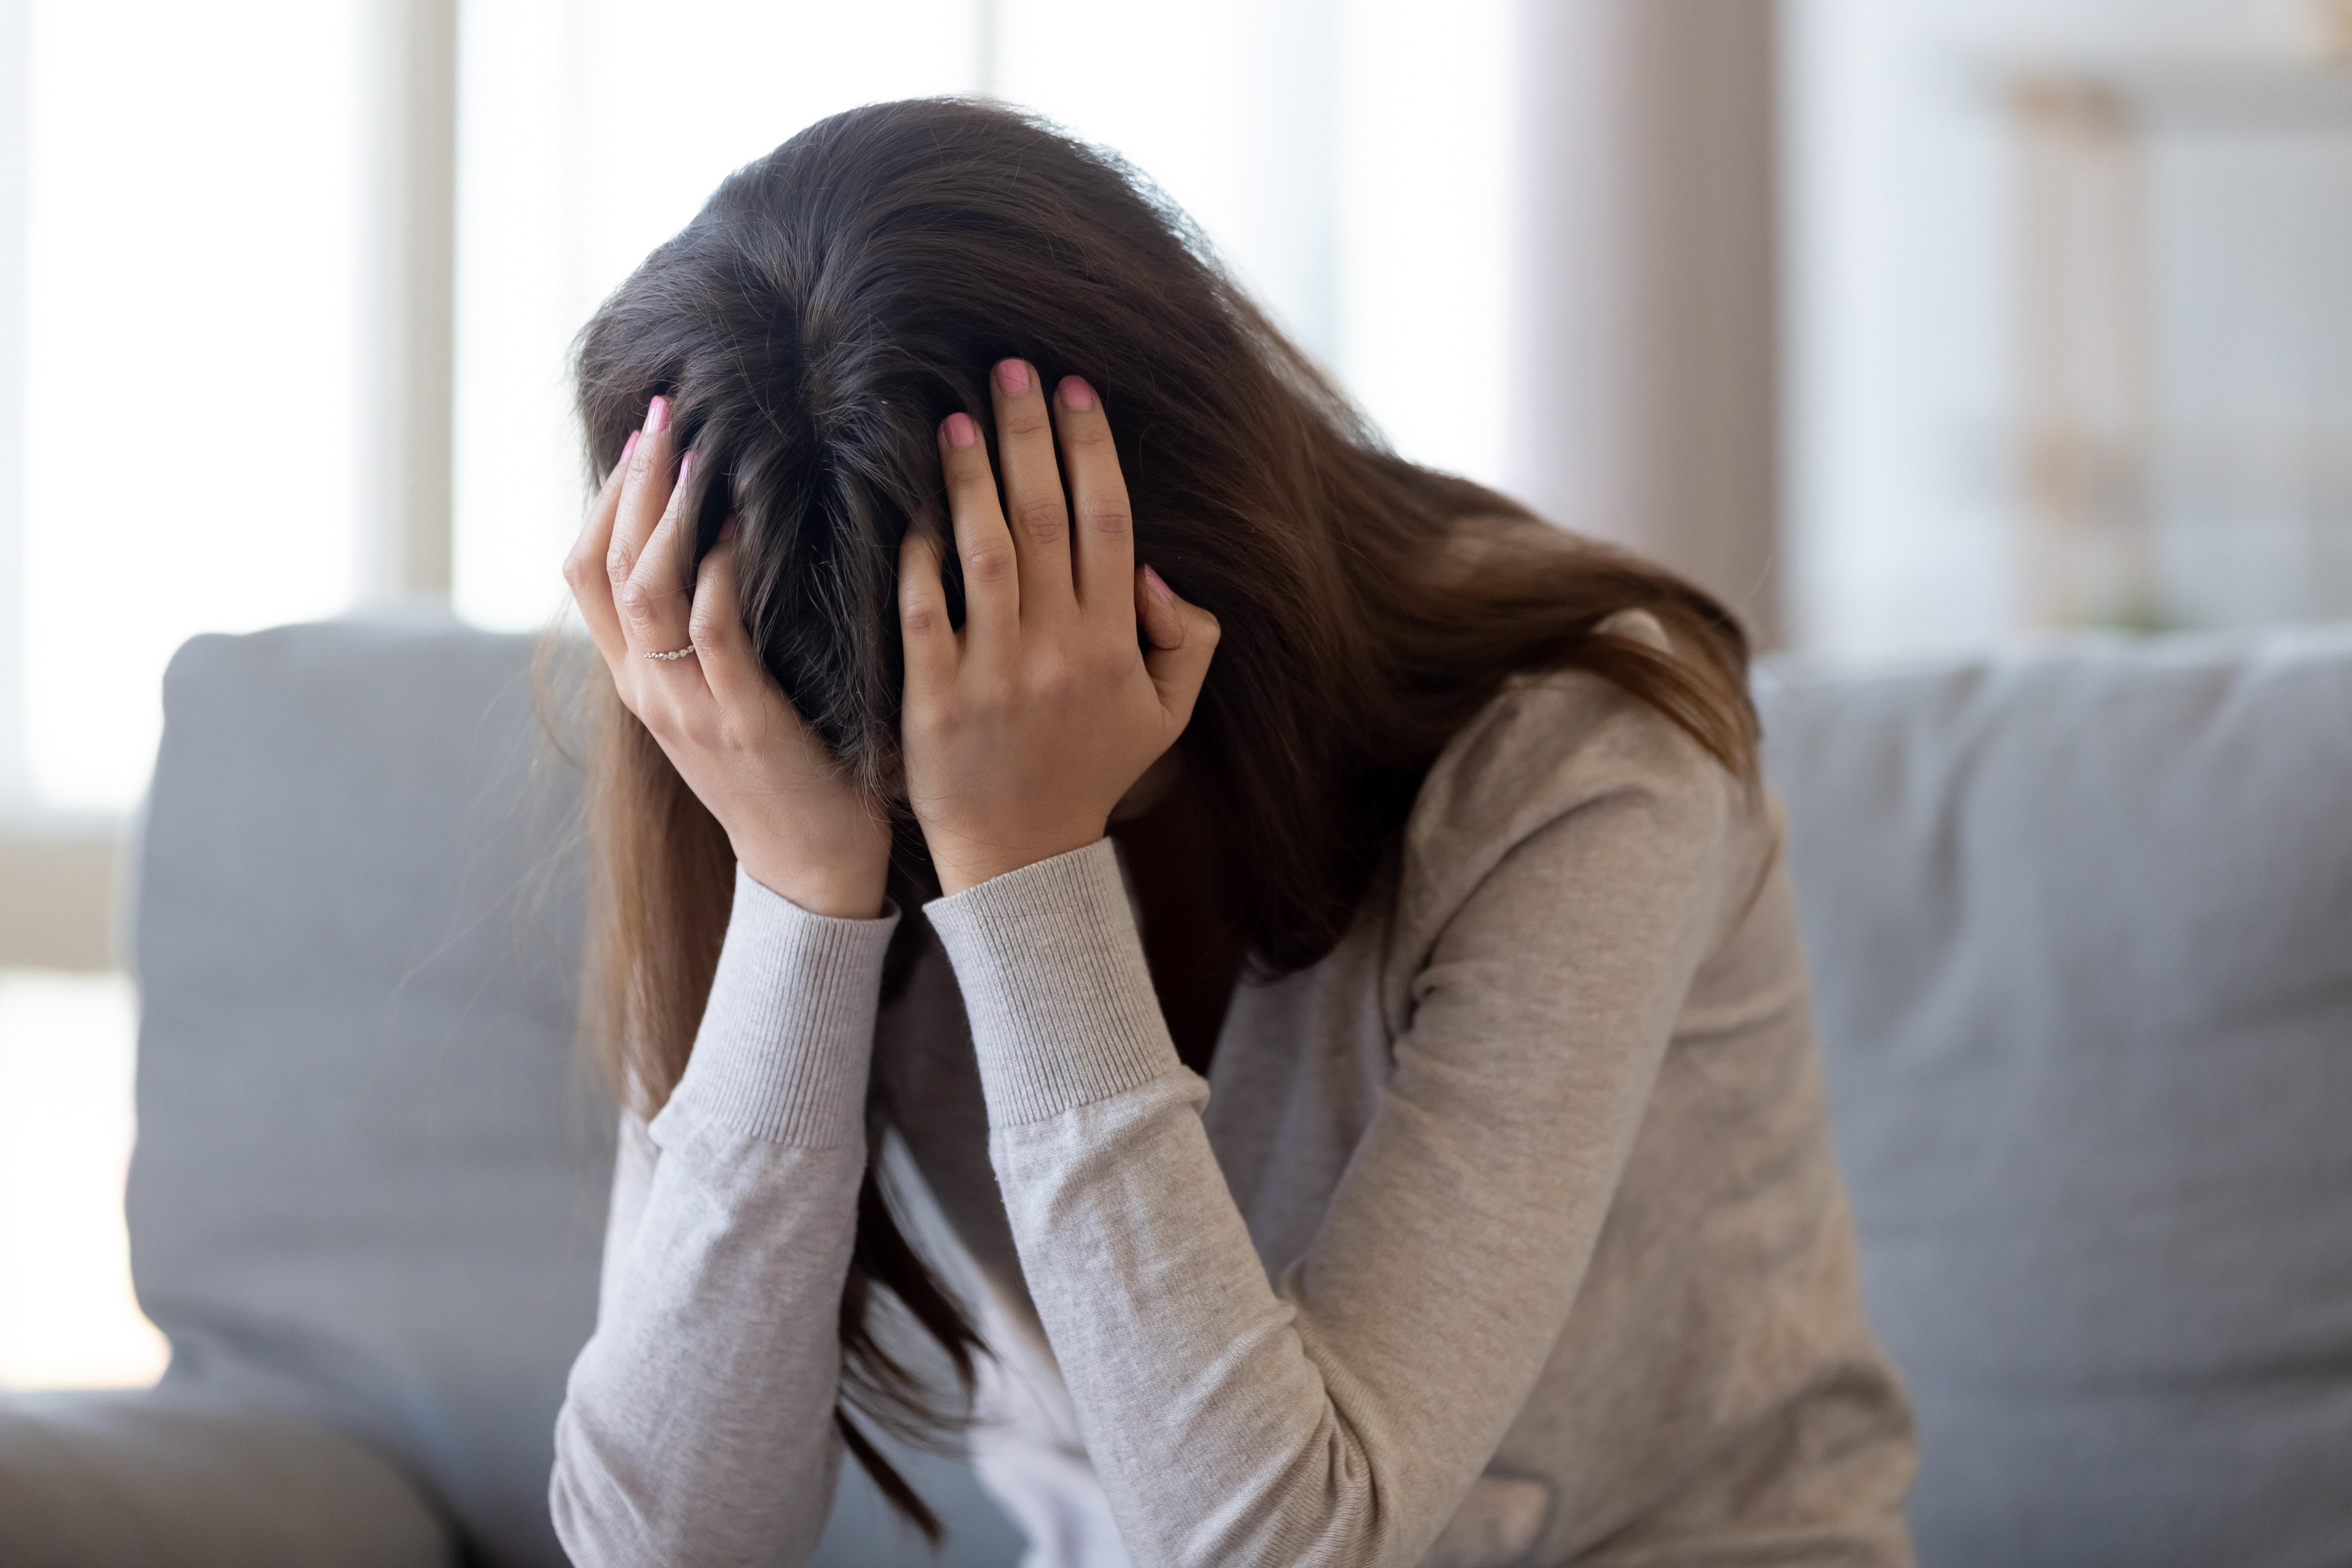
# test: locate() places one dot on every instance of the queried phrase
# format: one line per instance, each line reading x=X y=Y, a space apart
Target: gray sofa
x=2081 y=930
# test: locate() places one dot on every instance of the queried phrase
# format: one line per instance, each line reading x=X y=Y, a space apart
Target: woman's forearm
x=1141 y=1271
x=699 y=1423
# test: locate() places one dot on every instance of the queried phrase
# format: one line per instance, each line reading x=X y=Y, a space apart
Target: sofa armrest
x=114 y=1480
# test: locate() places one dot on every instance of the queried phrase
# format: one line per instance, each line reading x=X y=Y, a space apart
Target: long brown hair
x=829 y=307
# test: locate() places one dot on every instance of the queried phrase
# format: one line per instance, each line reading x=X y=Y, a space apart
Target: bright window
x=189 y=377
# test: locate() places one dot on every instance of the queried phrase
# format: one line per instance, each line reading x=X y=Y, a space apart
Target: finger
x=1033 y=492
x=584 y=569
x=645 y=496
x=1102 y=532
x=1183 y=639
x=722 y=643
x=923 y=625
x=654 y=602
x=992 y=589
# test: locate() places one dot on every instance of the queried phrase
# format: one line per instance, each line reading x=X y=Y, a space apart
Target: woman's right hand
x=796 y=822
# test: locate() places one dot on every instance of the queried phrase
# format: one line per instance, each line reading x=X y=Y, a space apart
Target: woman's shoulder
x=1549 y=745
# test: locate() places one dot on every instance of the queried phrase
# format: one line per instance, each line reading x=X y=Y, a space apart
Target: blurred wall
x=2066 y=331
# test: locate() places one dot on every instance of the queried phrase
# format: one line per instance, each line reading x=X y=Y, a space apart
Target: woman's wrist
x=967 y=863
x=820 y=887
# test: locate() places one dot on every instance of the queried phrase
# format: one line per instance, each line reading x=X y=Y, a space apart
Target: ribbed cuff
x=789 y=1032
x=1053 y=976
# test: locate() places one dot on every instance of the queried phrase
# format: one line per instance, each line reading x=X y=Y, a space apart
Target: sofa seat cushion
x=131 y=1481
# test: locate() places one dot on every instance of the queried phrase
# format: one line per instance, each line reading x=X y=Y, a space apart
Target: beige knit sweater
x=1508 y=1233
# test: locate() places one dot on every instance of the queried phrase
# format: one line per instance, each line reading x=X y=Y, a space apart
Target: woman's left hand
x=1023 y=728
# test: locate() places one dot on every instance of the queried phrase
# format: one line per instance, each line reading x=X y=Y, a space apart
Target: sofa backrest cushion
x=2080 y=931
x=371 y=1175
x=2080 y=927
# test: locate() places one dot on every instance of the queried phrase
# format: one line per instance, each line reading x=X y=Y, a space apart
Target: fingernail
x=962 y=431
x=727 y=530
x=628 y=449
x=1013 y=375
x=685 y=469
x=1159 y=586
x=657 y=414
x=1075 y=393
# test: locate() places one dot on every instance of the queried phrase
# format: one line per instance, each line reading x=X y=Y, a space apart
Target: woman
x=1079 y=703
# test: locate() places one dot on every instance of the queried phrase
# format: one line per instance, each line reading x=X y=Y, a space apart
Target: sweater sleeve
x=697 y=1424
x=1341 y=1416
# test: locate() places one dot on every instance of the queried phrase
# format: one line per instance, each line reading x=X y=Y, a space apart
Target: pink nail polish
x=728 y=529
x=1159 y=586
x=1013 y=375
x=629 y=449
x=962 y=431
x=657 y=414
x=685 y=469
x=1075 y=393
